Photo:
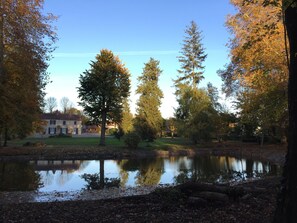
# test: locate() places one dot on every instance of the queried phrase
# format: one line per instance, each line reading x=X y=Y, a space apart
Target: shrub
x=119 y=134
x=61 y=135
x=132 y=139
x=34 y=144
x=112 y=131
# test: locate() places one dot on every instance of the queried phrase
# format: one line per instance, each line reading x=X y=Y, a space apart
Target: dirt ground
x=163 y=205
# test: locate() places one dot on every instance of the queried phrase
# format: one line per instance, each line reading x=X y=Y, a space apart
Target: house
x=97 y=128
x=58 y=123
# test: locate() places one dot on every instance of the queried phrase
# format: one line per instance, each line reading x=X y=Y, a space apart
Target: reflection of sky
x=70 y=180
x=172 y=169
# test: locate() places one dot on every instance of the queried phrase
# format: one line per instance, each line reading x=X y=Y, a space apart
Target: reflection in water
x=58 y=172
x=149 y=171
x=94 y=181
x=223 y=169
x=18 y=176
x=66 y=175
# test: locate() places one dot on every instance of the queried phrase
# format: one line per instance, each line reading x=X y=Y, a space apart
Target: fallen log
x=234 y=192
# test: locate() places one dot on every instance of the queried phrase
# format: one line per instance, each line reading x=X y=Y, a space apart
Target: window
x=74 y=122
x=64 y=122
x=52 y=131
x=64 y=130
x=52 y=122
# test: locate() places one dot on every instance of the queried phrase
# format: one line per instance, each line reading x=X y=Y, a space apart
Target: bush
x=132 y=139
x=112 y=131
x=34 y=144
x=61 y=135
x=119 y=134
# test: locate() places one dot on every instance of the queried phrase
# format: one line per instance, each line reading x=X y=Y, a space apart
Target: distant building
x=58 y=123
x=97 y=128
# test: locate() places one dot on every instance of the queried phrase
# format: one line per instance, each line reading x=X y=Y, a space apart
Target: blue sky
x=135 y=30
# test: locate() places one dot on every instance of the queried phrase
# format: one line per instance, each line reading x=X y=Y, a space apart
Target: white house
x=57 y=123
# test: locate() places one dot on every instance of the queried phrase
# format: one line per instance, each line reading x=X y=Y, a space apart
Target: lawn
x=160 y=143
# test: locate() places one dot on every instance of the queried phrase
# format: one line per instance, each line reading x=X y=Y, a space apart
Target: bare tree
x=66 y=104
x=50 y=104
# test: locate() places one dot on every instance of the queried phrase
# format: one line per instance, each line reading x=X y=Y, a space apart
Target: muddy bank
x=164 y=205
x=272 y=153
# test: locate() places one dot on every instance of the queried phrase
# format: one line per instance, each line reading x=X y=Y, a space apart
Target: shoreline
x=272 y=153
x=157 y=205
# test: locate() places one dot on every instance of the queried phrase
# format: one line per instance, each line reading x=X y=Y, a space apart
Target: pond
x=66 y=175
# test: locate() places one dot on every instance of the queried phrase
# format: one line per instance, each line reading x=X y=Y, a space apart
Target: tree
x=213 y=94
x=192 y=57
x=148 y=121
x=194 y=109
x=26 y=39
x=103 y=89
x=287 y=206
x=257 y=74
x=127 y=118
x=66 y=104
x=171 y=124
x=50 y=104
x=195 y=114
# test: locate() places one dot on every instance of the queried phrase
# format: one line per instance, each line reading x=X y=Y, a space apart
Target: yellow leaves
x=258 y=44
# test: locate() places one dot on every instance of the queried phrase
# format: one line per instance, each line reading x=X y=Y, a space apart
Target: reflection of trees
x=123 y=173
x=63 y=177
x=18 y=177
x=214 y=168
x=98 y=181
x=149 y=170
x=101 y=171
x=83 y=165
x=48 y=178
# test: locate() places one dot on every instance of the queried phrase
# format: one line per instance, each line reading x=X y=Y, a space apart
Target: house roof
x=60 y=116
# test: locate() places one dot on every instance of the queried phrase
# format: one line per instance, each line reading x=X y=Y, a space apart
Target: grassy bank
x=161 y=143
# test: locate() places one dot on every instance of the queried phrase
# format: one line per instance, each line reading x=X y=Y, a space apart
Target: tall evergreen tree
x=194 y=110
x=126 y=124
x=103 y=88
x=192 y=57
x=148 y=121
x=26 y=39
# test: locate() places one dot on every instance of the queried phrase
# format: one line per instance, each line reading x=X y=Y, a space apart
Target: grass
x=161 y=143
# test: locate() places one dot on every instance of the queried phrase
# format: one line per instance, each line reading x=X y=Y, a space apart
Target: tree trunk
x=287 y=206
x=5 y=137
x=103 y=129
x=1 y=69
x=1 y=40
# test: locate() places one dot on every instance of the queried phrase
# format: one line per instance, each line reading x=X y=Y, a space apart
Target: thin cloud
x=124 y=53
x=147 y=53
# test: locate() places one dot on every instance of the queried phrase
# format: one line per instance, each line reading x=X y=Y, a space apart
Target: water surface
x=65 y=175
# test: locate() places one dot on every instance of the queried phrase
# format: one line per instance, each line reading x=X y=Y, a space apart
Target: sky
x=135 y=30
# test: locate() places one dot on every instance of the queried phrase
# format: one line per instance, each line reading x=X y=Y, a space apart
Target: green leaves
x=148 y=120
x=26 y=41
x=192 y=57
x=104 y=87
